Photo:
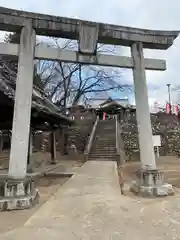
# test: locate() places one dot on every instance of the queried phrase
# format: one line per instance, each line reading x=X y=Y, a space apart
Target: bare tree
x=67 y=83
x=73 y=82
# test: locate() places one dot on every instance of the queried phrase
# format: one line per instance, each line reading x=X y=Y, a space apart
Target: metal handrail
x=91 y=138
x=119 y=142
x=117 y=136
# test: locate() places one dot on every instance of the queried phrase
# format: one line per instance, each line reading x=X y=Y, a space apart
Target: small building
x=45 y=116
x=112 y=107
x=79 y=113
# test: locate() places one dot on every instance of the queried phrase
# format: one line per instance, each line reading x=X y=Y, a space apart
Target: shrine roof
x=41 y=105
x=113 y=106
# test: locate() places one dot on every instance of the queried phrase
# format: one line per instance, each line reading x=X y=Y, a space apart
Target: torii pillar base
x=17 y=194
x=150 y=183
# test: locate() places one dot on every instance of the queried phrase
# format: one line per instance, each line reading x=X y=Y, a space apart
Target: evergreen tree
x=9 y=64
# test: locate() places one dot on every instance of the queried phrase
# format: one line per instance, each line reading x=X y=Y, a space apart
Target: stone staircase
x=104 y=143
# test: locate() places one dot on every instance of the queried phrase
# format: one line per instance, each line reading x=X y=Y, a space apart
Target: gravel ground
x=13 y=219
x=47 y=186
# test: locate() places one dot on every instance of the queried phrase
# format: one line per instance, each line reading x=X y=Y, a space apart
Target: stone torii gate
x=18 y=189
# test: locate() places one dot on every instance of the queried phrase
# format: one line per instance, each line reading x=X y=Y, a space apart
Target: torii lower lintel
x=51 y=53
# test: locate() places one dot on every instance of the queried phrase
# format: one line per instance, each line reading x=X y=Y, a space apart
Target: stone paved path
x=55 y=177
x=89 y=206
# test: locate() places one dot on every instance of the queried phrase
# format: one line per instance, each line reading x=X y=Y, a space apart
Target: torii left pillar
x=18 y=190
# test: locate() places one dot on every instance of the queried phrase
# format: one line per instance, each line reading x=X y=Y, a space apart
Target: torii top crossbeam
x=47 y=25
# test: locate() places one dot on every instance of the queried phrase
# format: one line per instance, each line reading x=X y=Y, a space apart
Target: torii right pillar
x=149 y=180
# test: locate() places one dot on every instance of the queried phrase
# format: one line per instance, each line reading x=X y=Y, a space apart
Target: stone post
x=53 y=146
x=18 y=189
x=149 y=178
x=61 y=140
x=30 y=161
x=1 y=142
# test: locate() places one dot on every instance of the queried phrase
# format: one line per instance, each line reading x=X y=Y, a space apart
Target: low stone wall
x=41 y=141
x=167 y=126
x=42 y=146
x=78 y=135
x=39 y=159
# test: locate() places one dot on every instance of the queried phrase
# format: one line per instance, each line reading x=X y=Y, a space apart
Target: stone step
x=105 y=139
x=105 y=135
x=105 y=129
x=103 y=151
x=102 y=159
x=106 y=144
x=102 y=155
x=104 y=132
x=107 y=125
x=104 y=148
x=107 y=122
x=108 y=140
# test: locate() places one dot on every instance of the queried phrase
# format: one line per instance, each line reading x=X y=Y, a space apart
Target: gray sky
x=162 y=14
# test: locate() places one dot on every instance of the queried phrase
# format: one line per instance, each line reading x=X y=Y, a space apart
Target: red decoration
x=177 y=110
x=167 y=108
